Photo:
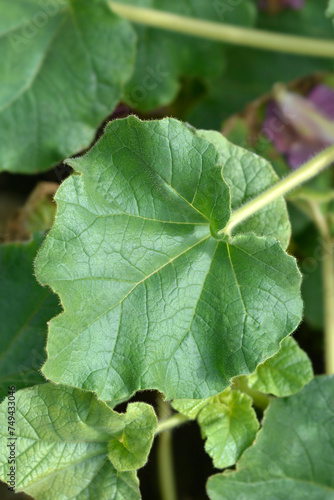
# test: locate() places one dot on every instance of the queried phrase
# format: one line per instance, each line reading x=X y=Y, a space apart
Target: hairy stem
x=327 y=282
x=303 y=174
x=165 y=455
x=328 y=288
x=225 y=32
x=171 y=422
x=260 y=400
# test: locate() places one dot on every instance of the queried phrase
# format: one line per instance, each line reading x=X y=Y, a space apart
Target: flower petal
x=323 y=97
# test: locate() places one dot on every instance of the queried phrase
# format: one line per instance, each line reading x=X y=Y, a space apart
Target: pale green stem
x=225 y=32
x=299 y=176
x=165 y=455
x=327 y=283
x=171 y=422
x=318 y=218
x=328 y=288
x=260 y=400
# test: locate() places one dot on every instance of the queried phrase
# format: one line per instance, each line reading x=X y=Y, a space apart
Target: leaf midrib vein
x=59 y=471
x=105 y=216
x=160 y=176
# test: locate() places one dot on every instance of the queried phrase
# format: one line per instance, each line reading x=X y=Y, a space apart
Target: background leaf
x=25 y=308
x=285 y=373
x=165 y=57
x=63 y=67
x=63 y=436
x=174 y=307
x=251 y=73
x=293 y=454
x=330 y=10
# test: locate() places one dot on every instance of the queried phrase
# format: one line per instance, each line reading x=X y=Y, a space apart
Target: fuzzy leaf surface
x=153 y=297
x=25 y=308
x=227 y=421
x=63 y=65
x=293 y=454
x=64 y=438
x=285 y=373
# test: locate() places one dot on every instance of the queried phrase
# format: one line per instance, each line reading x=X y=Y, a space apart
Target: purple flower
x=276 y=5
x=300 y=126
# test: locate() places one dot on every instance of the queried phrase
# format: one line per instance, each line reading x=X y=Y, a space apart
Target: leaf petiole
x=328 y=288
x=171 y=422
x=226 y=33
x=260 y=400
x=165 y=464
x=327 y=265
x=303 y=174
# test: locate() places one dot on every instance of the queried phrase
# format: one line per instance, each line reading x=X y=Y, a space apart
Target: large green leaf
x=153 y=297
x=285 y=373
x=164 y=57
x=227 y=421
x=63 y=65
x=247 y=176
x=63 y=439
x=292 y=457
x=25 y=308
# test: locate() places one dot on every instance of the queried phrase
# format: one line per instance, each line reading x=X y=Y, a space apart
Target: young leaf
x=64 y=437
x=192 y=407
x=130 y=450
x=153 y=296
x=248 y=175
x=293 y=454
x=25 y=308
x=227 y=421
x=164 y=58
x=63 y=65
x=285 y=373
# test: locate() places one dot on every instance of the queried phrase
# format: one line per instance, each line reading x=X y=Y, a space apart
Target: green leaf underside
x=227 y=421
x=285 y=373
x=248 y=175
x=64 y=436
x=163 y=58
x=151 y=298
x=293 y=454
x=63 y=65
x=25 y=308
